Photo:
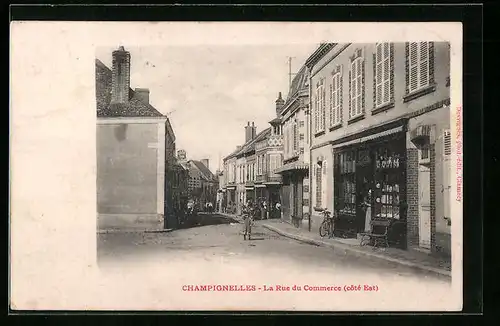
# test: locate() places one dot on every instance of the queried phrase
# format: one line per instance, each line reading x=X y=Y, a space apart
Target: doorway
x=364 y=180
x=424 y=206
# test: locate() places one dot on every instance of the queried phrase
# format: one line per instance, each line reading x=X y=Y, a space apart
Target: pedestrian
x=278 y=210
x=264 y=206
x=247 y=218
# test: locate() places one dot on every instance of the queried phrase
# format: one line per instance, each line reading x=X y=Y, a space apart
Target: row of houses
x=361 y=123
x=140 y=183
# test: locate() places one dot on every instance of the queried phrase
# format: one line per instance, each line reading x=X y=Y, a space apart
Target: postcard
x=236 y=166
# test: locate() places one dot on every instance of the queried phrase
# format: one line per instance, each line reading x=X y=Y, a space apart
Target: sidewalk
x=409 y=258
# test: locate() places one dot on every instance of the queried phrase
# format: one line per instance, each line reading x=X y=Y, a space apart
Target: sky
x=210 y=92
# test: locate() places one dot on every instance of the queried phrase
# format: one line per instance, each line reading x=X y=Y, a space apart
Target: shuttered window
x=419 y=65
x=319 y=173
x=382 y=74
x=320 y=109
x=447 y=143
x=356 y=80
x=295 y=137
x=335 y=99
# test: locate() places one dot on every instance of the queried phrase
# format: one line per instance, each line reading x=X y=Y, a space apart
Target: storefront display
x=370 y=178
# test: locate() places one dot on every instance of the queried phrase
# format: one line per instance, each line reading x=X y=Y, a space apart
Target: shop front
x=370 y=184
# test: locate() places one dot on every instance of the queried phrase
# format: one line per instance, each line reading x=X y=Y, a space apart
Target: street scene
x=278 y=166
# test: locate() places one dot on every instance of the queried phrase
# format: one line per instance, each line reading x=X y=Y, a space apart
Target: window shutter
x=323 y=109
x=413 y=66
x=361 y=85
x=352 y=88
x=391 y=73
x=332 y=102
x=386 y=76
x=407 y=67
x=447 y=143
x=424 y=64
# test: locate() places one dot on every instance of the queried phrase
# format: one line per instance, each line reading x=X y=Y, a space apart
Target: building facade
x=380 y=139
x=294 y=116
x=249 y=170
x=131 y=150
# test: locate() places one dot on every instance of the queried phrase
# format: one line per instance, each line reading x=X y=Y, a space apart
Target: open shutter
x=413 y=66
x=359 y=86
x=352 y=112
x=379 y=73
x=386 y=76
x=424 y=64
x=446 y=187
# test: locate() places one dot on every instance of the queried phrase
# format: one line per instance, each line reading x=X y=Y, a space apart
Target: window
x=419 y=66
x=319 y=111
x=447 y=143
x=356 y=88
x=319 y=181
x=387 y=184
x=301 y=137
x=383 y=74
x=347 y=182
x=335 y=99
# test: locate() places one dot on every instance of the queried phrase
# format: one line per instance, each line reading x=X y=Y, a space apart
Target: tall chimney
x=142 y=94
x=254 y=130
x=248 y=132
x=120 y=76
x=205 y=162
x=279 y=104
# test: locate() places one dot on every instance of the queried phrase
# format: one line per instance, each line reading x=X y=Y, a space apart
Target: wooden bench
x=378 y=234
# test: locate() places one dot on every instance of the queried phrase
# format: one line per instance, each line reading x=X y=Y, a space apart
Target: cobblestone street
x=218 y=254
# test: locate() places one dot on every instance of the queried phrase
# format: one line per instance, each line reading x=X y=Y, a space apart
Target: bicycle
x=327 y=226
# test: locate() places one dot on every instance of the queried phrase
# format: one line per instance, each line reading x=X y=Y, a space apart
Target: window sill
x=338 y=126
x=356 y=119
x=383 y=108
x=318 y=209
x=418 y=93
x=319 y=133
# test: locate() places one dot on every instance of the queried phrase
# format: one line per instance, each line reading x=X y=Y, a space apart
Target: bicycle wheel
x=324 y=228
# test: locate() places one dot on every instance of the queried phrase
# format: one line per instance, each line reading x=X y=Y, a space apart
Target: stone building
x=294 y=119
x=134 y=143
x=380 y=133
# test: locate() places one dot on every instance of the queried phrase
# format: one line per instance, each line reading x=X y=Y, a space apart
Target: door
x=424 y=209
x=364 y=180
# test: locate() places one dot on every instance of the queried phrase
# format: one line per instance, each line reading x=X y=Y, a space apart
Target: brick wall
x=412 y=196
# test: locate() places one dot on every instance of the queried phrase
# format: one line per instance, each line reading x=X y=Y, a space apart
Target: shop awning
x=370 y=137
x=294 y=166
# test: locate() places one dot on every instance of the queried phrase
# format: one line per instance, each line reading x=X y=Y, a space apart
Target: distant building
x=133 y=140
x=202 y=183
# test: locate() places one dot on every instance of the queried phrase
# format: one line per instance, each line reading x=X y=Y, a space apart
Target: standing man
x=247 y=218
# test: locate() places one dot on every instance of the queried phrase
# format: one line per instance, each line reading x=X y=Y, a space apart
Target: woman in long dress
x=368 y=211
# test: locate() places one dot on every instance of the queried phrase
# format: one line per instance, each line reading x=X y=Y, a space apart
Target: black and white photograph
x=301 y=168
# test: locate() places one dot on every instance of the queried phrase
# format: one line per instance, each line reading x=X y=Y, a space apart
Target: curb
x=134 y=231
x=234 y=217
x=348 y=248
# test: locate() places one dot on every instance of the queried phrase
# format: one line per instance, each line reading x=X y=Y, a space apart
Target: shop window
x=387 y=184
x=424 y=154
x=347 y=182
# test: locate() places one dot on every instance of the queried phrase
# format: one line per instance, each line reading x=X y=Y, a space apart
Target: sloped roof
x=133 y=108
x=206 y=173
x=298 y=84
x=249 y=145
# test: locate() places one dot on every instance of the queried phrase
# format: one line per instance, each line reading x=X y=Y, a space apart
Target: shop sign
x=388 y=162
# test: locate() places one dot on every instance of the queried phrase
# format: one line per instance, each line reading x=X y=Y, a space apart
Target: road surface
x=215 y=253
